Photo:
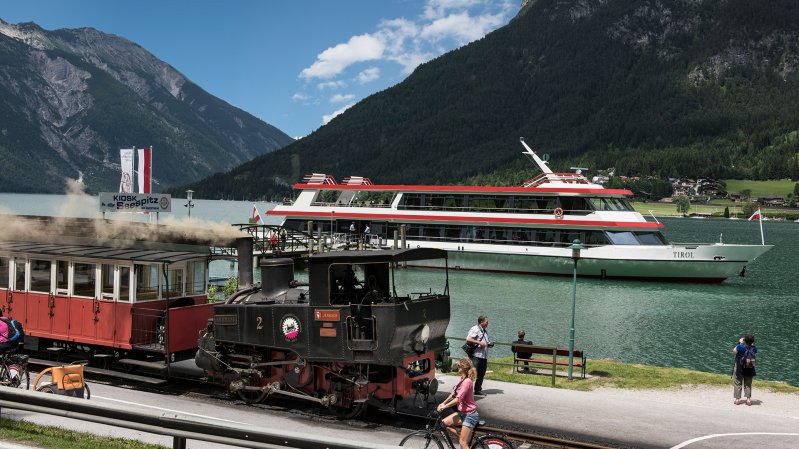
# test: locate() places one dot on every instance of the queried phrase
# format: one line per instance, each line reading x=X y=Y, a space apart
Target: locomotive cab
x=345 y=338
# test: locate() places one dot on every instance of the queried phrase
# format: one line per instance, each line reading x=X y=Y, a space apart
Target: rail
x=180 y=427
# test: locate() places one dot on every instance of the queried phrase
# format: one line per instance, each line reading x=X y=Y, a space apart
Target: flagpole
x=760 y=219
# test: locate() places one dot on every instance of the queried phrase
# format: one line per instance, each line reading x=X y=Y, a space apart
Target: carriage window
x=40 y=275
x=195 y=278
x=173 y=286
x=84 y=279
x=19 y=274
x=146 y=282
x=124 y=284
x=107 y=280
x=62 y=277
x=5 y=266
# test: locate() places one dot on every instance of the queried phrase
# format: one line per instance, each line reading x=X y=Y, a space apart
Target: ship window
x=62 y=277
x=411 y=201
x=84 y=279
x=574 y=205
x=432 y=232
x=596 y=238
x=41 y=274
x=146 y=282
x=195 y=278
x=622 y=238
x=5 y=268
x=124 y=284
x=650 y=238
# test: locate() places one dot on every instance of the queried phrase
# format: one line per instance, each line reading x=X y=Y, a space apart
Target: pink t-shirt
x=465 y=396
x=3 y=331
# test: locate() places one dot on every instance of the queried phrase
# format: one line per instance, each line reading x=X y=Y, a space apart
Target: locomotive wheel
x=251 y=397
x=348 y=413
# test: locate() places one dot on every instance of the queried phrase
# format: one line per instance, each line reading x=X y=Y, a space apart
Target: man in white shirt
x=479 y=336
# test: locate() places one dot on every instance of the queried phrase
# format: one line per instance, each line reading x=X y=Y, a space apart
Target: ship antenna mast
x=538 y=161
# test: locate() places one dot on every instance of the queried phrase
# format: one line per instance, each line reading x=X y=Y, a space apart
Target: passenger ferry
x=528 y=229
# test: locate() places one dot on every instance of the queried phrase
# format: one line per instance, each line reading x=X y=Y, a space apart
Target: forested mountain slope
x=669 y=88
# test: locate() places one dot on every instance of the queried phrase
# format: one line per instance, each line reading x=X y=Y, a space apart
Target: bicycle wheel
x=422 y=440
x=16 y=376
x=493 y=442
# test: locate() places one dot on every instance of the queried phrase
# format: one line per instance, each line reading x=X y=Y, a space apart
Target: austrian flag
x=755 y=216
x=256 y=216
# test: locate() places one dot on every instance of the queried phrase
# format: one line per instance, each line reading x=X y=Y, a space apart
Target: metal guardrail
x=180 y=427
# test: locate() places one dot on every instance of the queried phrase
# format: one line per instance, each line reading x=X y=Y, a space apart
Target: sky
x=293 y=64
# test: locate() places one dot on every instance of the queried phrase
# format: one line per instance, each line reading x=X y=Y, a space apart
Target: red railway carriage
x=139 y=307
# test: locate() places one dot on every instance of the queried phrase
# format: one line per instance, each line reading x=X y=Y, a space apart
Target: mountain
x=71 y=98
x=650 y=87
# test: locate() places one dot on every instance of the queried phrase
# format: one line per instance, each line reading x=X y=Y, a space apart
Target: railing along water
x=180 y=427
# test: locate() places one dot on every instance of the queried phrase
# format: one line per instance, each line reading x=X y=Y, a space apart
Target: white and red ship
x=527 y=229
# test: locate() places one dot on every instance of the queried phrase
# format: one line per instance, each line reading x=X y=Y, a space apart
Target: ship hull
x=692 y=263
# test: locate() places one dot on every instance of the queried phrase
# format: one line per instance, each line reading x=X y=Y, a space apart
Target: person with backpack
x=744 y=369
x=11 y=333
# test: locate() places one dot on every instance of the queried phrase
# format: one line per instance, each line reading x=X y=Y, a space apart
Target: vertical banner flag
x=145 y=170
x=256 y=216
x=126 y=163
x=756 y=215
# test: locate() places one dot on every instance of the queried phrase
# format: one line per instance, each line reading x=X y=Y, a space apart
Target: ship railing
x=353 y=204
x=512 y=210
x=499 y=241
x=544 y=178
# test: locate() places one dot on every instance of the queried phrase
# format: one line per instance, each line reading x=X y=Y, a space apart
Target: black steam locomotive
x=345 y=339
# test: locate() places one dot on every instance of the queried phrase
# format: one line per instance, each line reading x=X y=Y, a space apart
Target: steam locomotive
x=345 y=339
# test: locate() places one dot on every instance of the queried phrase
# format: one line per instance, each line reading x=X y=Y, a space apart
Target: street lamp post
x=189 y=204
x=575 y=247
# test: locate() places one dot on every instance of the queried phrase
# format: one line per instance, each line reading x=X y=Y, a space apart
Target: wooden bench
x=545 y=355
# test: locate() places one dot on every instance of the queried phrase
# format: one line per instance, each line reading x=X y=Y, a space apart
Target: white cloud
x=334 y=60
x=300 y=97
x=331 y=85
x=328 y=118
x=461 y=27
x=339 y=98
x=435 y=9
x=368 y=75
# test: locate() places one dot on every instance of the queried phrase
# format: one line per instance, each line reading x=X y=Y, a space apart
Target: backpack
x=748 y=358
x=15 y=331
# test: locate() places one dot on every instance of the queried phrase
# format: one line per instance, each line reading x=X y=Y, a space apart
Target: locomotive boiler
x=344 y=339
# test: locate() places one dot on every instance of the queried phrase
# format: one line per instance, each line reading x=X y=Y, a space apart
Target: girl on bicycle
x=462 y=396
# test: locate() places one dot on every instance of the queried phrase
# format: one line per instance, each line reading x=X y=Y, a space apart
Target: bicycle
x=435 y=435
x=14 y=370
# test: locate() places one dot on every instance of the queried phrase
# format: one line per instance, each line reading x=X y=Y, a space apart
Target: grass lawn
x=760 y=188
x=610 y=373
x=48 y=437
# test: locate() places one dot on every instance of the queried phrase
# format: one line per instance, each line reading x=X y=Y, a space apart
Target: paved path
x=647 y=419
x=691 y=418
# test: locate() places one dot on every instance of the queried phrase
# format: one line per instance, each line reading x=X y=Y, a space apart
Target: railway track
x=403 y=419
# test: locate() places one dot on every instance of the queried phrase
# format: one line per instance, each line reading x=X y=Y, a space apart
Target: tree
x=750 y=208
x=746 y=193
x=683 y=204
x=230 y=287
x=727 y=212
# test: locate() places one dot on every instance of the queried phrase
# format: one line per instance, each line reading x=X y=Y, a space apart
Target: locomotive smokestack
x=275 y=276
x=244 y=250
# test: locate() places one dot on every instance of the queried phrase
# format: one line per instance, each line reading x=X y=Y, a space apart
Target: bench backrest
x=545 y=350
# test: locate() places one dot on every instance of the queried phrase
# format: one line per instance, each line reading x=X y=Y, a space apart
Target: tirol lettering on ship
x=290 y=326
x=683 y=254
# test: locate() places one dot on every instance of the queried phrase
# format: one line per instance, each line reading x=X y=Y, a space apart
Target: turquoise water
x=666 y=324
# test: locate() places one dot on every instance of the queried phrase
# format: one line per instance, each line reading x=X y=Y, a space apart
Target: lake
x=665 y=324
